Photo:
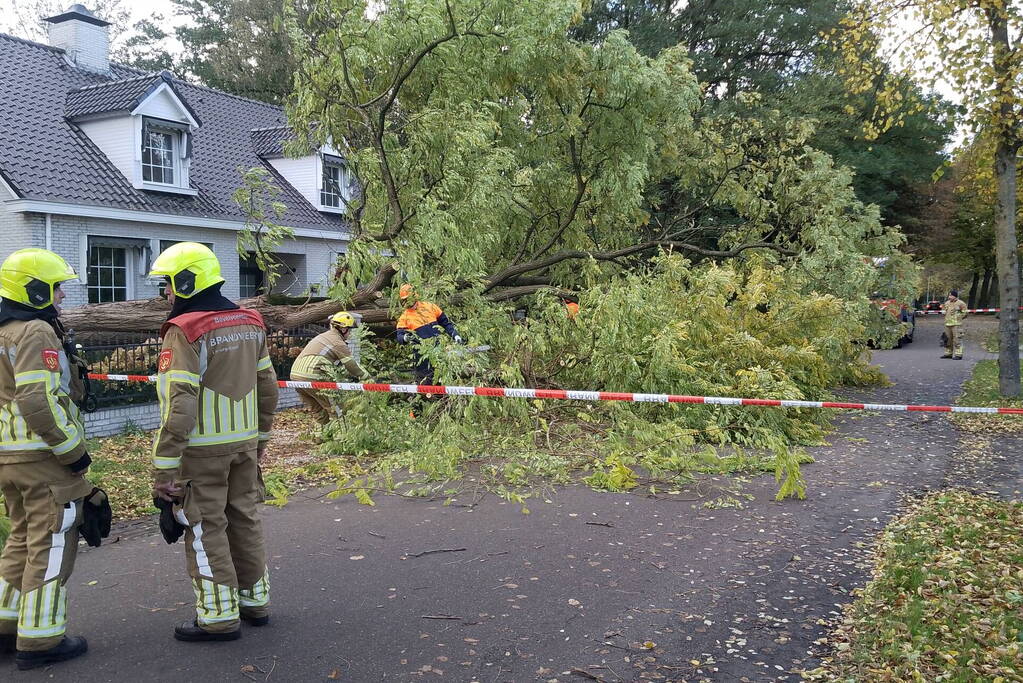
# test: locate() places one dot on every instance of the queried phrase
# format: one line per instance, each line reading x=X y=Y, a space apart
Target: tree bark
x=971 y=300
x=148 y=315
x=985 y=290
x=1007 y=144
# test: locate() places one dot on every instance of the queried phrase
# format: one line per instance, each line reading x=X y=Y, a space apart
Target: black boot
x=190 y=632
x=7 y=643
x=69 y=648
x=256 y=621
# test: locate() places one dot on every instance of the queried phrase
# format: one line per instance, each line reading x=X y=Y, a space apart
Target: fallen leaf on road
x=357 y=557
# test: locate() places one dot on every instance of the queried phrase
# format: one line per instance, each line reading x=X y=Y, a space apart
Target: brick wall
x=17 y=230
x=110 y=421
x=313 y=259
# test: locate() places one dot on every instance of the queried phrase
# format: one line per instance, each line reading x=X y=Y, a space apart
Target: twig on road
x=609 y=525
x=440 y=616
x=585 y=674
x=438 y=550
x=375 y=534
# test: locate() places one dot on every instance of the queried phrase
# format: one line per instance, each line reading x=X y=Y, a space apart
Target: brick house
x=107 y=166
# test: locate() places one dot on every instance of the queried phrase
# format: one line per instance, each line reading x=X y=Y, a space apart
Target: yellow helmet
x=28 y=276
x=343 y=319
x=191 y=267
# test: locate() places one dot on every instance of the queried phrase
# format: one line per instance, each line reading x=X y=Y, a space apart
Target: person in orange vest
x=572 y=308
x=422 y=320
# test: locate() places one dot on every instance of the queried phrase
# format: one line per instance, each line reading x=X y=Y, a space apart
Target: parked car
x=933 y=306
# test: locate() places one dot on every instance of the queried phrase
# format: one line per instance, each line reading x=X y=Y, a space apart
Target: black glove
x=82 y=464
x=170 y=527
x=96 y=517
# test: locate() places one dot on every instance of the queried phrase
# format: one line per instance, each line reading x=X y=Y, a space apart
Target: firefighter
x=422 y=320
x=217 y=392
x=317 y=360
x=954 y=309
x=42 y=462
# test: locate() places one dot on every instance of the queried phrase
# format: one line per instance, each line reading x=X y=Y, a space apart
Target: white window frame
x=180 y=155
x=132 y=253
x=175 y=150
x=323 y=161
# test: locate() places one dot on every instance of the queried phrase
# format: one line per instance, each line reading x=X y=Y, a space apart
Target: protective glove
x=400 y=336
x=170 y=527
x=96 y=517
x=458 y=339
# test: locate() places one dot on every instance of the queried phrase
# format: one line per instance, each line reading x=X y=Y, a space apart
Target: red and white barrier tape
x=968 y=310
x=562 y=394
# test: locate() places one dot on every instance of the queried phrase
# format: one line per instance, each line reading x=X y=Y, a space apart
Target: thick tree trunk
x=971 y=299
x=1008 y=269
x=1007 y=144
x=148 y=315
x=985 y=290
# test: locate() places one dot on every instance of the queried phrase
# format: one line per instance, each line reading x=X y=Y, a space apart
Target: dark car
x=933 y=306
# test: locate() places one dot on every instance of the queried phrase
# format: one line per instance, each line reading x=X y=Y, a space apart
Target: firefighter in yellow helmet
x=317 y=361
x=42 y=462
x=217 y=392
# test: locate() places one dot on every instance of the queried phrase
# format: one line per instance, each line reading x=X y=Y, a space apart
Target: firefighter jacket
x=954 y=311
x=216 y=385
x=326 y=351
x=38 y=420
x=424 y=320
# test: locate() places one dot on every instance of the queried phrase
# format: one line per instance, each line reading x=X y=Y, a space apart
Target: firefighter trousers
x=954 y=340
x=44 y=503
x=321 y=404
x=224 y=548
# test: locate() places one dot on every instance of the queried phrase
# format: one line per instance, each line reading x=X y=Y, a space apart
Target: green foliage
x=944 y=603
x=239 y=46
x=712 y=251
x=257 y=197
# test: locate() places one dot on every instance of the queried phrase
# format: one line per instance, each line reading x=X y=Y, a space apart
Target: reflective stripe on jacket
x=323 y=352
x=216 y=385
x=38 y=419
x=954 y=311
x=425 y=320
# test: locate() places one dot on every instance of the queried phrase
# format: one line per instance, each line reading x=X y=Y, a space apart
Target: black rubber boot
x=69 y=648
x=957 y=357
x=256 y=621
x=948 y=356
x=190 y=632
x=8 y=641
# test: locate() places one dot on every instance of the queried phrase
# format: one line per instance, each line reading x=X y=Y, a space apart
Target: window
x=108 y=274
x=159 y=154
x=335 y=183
x=250 y=277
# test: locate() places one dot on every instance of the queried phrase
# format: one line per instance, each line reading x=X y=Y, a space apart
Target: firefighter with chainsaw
x=422 y=320
x=217 y=392
x=954 y=309
x=43 y=460
x=317 y=361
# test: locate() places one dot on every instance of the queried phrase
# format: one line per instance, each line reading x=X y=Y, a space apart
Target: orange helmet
x=406 y=291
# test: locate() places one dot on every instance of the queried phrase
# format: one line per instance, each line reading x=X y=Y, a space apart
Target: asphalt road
x=621 y=587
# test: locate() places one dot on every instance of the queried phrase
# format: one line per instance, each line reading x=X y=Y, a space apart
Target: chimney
x=83 y=36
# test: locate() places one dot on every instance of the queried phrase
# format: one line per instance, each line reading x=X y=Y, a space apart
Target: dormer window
x=161 y=153
x=335 y=183
x=144 y=127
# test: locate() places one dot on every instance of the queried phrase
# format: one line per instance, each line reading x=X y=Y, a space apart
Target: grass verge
x=946 y=599
x=982 y=390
